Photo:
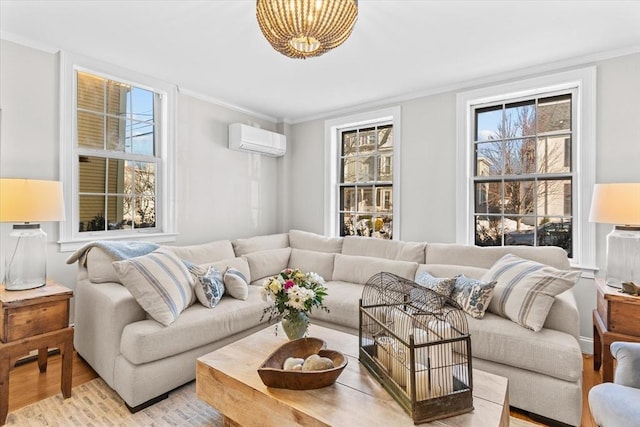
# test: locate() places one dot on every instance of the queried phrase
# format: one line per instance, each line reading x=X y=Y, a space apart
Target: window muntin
x=366 y=181
x=116 y=135
x=523 y=175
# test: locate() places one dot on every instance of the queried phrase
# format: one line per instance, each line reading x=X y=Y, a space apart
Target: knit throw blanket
x=118 y=250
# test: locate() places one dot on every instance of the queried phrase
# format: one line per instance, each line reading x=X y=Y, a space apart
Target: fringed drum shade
x=304 y=28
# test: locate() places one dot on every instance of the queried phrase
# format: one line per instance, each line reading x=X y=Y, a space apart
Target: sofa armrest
x=628 y=368
x=564 y=315
x=102 y=310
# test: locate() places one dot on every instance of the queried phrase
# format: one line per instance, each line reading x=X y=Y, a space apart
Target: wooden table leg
x=67 y=363
x=597 y=345
x=607 y=364
x=4 y=387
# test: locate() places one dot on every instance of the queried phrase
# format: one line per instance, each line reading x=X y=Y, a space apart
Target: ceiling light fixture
x=305 y=28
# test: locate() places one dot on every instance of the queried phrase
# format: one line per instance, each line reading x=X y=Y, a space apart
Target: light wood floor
x=27 y=385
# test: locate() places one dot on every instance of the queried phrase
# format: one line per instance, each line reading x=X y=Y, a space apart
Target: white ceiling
x=398 y=49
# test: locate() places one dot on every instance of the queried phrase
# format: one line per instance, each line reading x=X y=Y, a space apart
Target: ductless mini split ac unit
x=255 y=140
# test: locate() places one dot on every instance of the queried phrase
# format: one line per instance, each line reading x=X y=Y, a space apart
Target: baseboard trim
x=586 y=345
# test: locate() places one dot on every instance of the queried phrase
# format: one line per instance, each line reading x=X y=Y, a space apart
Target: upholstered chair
x=618 y=404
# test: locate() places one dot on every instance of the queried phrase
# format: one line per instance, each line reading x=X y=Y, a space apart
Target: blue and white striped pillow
x=160 y=283
x=525 y=289
x=236 y=283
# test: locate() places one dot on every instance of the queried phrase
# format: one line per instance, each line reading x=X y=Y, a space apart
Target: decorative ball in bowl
x=273 y=374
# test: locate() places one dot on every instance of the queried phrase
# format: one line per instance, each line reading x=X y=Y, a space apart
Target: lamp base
x=26 y=265
x=623 y=256
x=23 y=286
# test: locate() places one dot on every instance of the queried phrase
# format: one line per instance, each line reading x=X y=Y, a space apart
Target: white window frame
x=332 y=130
x=166 y=225
x=584 y=153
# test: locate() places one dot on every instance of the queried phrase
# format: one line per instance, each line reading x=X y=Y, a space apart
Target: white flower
x=264 y=293
x=297 y=297
x=315 y=277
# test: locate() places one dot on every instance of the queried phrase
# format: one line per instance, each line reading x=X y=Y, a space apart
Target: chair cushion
x=160 y=283
x=614 y=405
x=525 y=289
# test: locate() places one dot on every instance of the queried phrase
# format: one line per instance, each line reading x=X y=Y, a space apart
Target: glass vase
x=295 y=325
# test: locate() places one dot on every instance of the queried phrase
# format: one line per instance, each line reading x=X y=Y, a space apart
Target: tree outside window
x=523 y=172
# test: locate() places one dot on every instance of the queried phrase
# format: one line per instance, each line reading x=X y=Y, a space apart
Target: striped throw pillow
x=160 y=283
x=525 y=290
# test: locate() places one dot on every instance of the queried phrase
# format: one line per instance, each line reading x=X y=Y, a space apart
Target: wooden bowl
x=272 y=374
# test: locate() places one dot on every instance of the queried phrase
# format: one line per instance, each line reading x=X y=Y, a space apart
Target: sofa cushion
x=260 y=243
x=525 y=290
x=472 y=295
x=207 y=284
x=359 y=269
x=311 y=261
x=146 y=341
x=450 y=270
x=236 y=283
x=204 y=253
x=267 y=263
x=342 y=301
x=548 y=352
x=160 y=283
x=388 y=249
x=314 y=242
x=485 y=257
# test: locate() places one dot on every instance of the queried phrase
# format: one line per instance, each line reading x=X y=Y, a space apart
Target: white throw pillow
x=236 y=284
x=160 y=283
x=525 y=290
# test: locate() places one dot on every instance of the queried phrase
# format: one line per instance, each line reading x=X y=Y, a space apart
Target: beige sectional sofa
x=142 y=359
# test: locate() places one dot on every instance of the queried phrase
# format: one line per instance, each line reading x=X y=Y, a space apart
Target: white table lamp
x=619 y=204
x=28 y=202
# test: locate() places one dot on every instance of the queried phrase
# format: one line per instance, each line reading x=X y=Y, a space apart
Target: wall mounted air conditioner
x=255 y=140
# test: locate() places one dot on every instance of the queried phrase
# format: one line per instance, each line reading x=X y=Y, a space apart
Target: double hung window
x=525 y=165
x=117 y=154
x=366 y=181
x=523 y=176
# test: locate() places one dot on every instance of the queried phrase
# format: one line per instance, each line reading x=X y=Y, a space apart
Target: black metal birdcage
x=416 y=343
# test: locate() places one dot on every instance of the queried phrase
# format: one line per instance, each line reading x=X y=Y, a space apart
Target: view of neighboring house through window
x=117 y=154
x=366 y=181
x=524 y=173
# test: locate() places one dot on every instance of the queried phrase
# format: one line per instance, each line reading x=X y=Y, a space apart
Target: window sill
x=73 y=245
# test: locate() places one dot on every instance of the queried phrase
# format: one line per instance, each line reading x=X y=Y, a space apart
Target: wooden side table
x=34 y=319
x=616 y=318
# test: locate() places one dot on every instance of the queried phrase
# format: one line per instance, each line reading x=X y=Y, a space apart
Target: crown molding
x=25 y=41
x=505 y=77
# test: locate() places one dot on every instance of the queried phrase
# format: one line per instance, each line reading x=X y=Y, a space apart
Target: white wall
x=221 y=194
x=428 y=164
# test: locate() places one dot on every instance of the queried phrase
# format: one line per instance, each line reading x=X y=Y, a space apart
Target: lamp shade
x=617 y=203
x=30 y=200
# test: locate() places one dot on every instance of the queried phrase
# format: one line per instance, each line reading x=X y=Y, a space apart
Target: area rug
x=95 y=404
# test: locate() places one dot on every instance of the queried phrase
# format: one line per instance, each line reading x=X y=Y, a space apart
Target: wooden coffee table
x=228 y=380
